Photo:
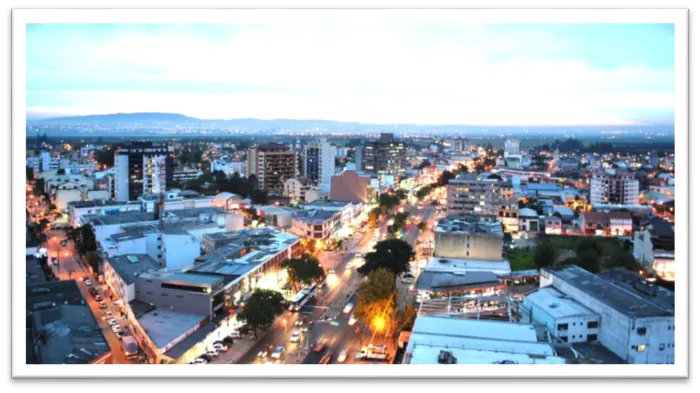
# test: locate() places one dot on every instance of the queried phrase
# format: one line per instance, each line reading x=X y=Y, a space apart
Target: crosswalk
x=360 y=249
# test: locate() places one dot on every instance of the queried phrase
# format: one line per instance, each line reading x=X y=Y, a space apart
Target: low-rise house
x=594 y=223
x=553 y=225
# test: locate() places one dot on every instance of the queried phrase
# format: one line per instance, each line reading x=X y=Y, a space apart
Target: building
x=277 y=216
x=349 y=186
x=594 y=223
x=230 y=201
x=565 y=318
x=614 y=187
x=229 y=167
x=529 y=220
x=121 y=271
x=49 y=163
x=250 y=259
x=469 y=237
x=272 y=164
x=384 y=157
x=654 y=248
x=469 y=194
x=183 y=175
x=512 y=156
x=78 y=210
x=636 y=317
x=319 y=161
x=553 y=225
x=315 y=223
x=449 y=340
x=298 y=189
x=61 y=328
x=198 y=294
x=620 y=223
x=175 y=199
x=142 y=167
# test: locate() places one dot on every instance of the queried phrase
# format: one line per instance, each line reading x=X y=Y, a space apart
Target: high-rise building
x=319 y=161
x=512 y=146
x=469 y=194
x=142 y=167
x=385 y=157
x=614 y=187
x=272 y=164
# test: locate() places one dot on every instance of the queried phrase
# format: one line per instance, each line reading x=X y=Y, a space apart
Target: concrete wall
x=183 y=301
x=65 y=196
x=180 y=251
x=577 y=326
x=468 y=246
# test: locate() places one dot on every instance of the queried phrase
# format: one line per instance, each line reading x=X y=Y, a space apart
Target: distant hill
x=127 y=119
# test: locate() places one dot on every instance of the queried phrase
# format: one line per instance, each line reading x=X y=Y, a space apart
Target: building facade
x=142 y=167
x=385 y=157
x=272 y=164
x=319 y=161
x=614 y=187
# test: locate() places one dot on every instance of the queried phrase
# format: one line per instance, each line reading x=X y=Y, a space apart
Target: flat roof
x=325 y=203
x=35 y=274
x=163 y=326
x=130 y=266
x=428 y=354
x=190 y=341
x=189 y=279
x=314 y=214
x=557 y=304
x=629 y=280
x=194 y=212
x=121 y=218
x=469 y=224
x=59 y=292
x=447 y=281
x=623 y=299
x=474 y=265
x=72 y=335
x=99 y=202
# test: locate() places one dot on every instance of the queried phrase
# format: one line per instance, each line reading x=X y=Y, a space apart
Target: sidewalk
x=239 y=349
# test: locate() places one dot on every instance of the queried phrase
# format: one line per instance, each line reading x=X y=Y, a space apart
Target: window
x=563 y=326
x=160 y=256
x=149 y=293
x=662 y=347
x=641 y=348
x=592 y=337
x=642 y=331
x=592 y=324
x=565 y=339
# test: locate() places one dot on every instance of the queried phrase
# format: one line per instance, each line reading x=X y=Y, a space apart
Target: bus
x=301 y=298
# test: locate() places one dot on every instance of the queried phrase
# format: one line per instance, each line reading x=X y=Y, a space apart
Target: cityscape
x=529 y=220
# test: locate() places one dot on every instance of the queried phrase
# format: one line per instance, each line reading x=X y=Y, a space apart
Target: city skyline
x=583 y=74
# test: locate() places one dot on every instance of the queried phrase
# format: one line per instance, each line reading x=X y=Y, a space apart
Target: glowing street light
x=378 y=323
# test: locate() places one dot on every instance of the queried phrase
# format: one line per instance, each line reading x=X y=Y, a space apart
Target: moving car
x=98 y=298
x=108 y=314
x=319 y=347
x=348 y=308
x=103 y=306
x=265 y=352
x=112 y=322
x=342 y=356
x=326 y=359
x=348 y=266
x=352 y=320
x=296 y=336
x=277 y=353
x=305 y=327
x=199 y=361
x=116 y=328
x=88 y=282
x=331 y=271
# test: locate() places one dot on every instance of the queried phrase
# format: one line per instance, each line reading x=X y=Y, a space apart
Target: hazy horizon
x=476 y=74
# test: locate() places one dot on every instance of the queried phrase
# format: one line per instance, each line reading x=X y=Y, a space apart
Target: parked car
x=206 y=357
x=117 y=303
x=98 y=298
x=235 y=335
x=108 y=315
x=212 y=353
x=352 y=320
x=348 y=308
x=296 y=336
x=112 y=322
x=116 y=328
x=228 y=340
x=199 y=361
x=103 y=306
x=277 y=353
x=88 y=282
x=220 y=348
x=319 y=347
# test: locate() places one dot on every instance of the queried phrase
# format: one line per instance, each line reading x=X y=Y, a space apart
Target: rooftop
x=121 y=218
x=48 y=294
x=598 y=217
x=447 y=281
x=469 y=224
x=68 y=334
x=326 y=204
x=190 y=341
x=193 y=213
x=629 y=280
x=35 y=274
x=436 y=264
x=632 y=302
x=131 y=266
x=99 y=202
x=314 y=214
x=556 y=304
x=164 y=326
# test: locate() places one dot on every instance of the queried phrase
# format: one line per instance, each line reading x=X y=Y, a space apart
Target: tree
x=84 y=239
x=590 y=260
x=303 y=271
x=589 y=243
x=408 y=318
x=60 y=171
x=262 y=308
x=388 y=201
x=30 y=174
x=421 y=226
x=545 y=254
x=445 y=177
x=377 y=300
x=93 y=261
x=105 y=157
x=622 y=259
x=373 y=217
x=392 y=254
x=259 y=197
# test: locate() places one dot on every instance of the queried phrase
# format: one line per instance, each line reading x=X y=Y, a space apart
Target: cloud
x=474 y=74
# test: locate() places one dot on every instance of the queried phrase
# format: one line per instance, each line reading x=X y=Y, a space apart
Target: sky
x=472 y=74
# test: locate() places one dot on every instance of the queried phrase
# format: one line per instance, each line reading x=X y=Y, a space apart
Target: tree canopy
x=377 y=300
x=262 y=308
x=391 y=254
x=303 y=271
x=545 y=254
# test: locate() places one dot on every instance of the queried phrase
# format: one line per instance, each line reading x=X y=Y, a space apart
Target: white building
x=49 y=163
x=319 y=161
x=636 y=318
x=297 y=189
x=229 y=167
x=77 y=210
x=140 y=168
x=175 y=199
x=654 y=248
x=62 y=197
x=315 y=224
x=529 y=220
x=120 y=273
x=564 y=318
x=553 y=225
x=440 y=340
x=614 y=187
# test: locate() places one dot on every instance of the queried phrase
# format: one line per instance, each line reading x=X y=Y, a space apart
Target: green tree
x=93 y=261
x=622 y=259
x=589 y=243
x=408 y=318
x=261 y=309
x=303 y=271
x=30 y=174
x=388 y=201
x=392 y=254
x=84 y=239
x=377 y=300
x=445 y=177
x=105 y=157
x=545 y=254
x=590 y=260
x=373 y=217
x=259 y=197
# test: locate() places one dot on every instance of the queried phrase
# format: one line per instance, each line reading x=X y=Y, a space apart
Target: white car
x=277 y=353
x=112 y=322
x=212 y=353
x=116 y=328
x=109 y=315
x=348 y=308
x=342 y=356
x=200 y=361
x=352 y=320
x=296 y=336
x=88 y=282
x=220 y=348
x=331 y=271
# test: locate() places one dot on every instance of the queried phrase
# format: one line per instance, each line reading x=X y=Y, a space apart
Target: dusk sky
x=588 y=74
